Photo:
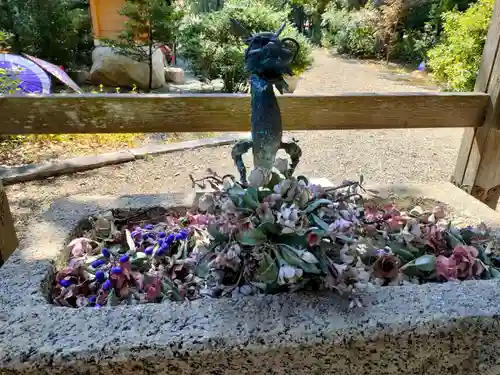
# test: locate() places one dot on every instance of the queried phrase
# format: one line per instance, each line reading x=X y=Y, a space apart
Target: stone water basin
x=412 y=329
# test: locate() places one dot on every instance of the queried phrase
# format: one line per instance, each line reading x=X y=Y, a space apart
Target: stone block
x=450 y=328
x=174 y=75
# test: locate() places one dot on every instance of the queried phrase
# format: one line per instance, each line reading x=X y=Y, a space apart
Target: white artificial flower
x=289 y=275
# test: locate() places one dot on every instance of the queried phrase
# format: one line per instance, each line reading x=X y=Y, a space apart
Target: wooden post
x=8 y=237
x=478 y=166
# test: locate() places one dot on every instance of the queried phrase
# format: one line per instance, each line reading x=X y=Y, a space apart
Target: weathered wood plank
x=220 y=112
x=8 y=237
x=478 y=164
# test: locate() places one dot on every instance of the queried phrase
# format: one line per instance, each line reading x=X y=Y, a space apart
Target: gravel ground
x=382 y=156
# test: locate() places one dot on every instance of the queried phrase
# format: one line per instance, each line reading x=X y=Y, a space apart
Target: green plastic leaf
x=275 y=180
x=268 y=270
x=405 y=255
x=426 y=263
x=249 y=201
x=494 y=273
x=251 y=237
x=483 y=257
x=263 y=193
x=168 y=285
x=292 y=239
x=319 y=222
x=216 y=234
x=138 y=258
x=452 y=240
x=316 y=204
x=113 y=299
x=269 y=228
x=290 y=256
x=253 y=193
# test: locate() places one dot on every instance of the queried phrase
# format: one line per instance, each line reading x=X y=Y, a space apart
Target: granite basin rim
x=33 y=331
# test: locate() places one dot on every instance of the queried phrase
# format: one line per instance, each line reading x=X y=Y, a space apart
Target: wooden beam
x=8 y=237
x=478 y=165
x=118 y=113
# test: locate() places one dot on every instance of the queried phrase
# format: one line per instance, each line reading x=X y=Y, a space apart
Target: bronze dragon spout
x=267 y=59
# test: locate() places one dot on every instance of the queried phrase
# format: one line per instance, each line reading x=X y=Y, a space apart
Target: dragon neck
x=266 y=122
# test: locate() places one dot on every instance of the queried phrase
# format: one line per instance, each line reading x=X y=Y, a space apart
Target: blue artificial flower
x=100 y=276
x=161 y=242
x=116 y=270
x=92 y=299
x=182 y=235
x=65 y=283
x=145 y=236
x=170 y=239
x=107 y=285
x=97 y=306
x=161 y=251
x=135 y=233
x=162 y=235
x=124 y=258
x=148 y=226
x=105 y=252
x=97 y=263
x=149 y=250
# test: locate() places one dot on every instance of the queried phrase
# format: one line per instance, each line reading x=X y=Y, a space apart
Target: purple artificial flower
x=100 y=276
x=65 y=283
x=170 y=239
x=161 y=251
x=92 y=299
x=105 y=252
x=182 y=235
x=97 y=263
x=148 y=226
x=162 y=235
x=116 y=270
x=149 y=250
x=124 y=258
x=107 y=285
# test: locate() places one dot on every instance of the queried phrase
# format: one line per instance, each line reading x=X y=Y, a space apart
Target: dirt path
x=383 y=156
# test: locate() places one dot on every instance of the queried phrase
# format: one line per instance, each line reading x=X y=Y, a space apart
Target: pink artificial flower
x=446 y=267
x=395 y=222
x=435 y=239
x=372 y=212
x=313 y=239
x=462 y=264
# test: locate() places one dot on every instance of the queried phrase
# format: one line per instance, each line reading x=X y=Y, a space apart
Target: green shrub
x=353 y=33
x=414 y=44
x=212 y=50
x=55 y=30
x=455 y=60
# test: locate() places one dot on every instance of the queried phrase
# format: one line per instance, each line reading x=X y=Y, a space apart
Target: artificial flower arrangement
x=288 y=236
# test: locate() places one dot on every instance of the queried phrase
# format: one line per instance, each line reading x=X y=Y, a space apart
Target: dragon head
x=267 y=56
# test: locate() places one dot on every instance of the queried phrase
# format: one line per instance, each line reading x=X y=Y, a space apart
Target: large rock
x=113 y=69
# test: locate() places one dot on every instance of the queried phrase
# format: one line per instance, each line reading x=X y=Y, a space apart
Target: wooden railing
x=477 y=169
